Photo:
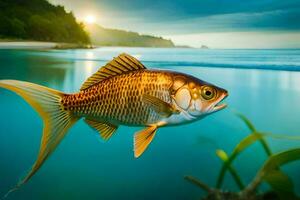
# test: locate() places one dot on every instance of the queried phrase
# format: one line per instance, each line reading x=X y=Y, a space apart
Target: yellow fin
x=47 y=102
x=119 y=65
x=161 y=107
x=106 y=130
x=142 y=139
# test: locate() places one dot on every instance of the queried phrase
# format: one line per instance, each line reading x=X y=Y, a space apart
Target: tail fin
x=47 y=102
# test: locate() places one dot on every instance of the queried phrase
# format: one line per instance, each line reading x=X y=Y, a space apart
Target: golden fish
x=123 y=92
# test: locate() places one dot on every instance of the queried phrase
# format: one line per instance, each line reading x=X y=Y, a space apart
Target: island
x=115 y=37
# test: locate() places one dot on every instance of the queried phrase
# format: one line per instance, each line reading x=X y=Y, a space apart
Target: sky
x=215 y=23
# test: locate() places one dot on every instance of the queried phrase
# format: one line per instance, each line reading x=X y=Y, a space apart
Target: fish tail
x=57 y=120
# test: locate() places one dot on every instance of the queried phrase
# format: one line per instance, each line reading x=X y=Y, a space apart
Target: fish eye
x=208 y=93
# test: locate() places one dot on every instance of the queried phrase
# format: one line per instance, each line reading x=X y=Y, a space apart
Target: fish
x=122 y=92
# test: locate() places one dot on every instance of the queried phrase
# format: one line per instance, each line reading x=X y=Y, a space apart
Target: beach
x=26 y=45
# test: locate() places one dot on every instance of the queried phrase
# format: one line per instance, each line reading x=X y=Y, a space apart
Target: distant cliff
x=39 y=20
x=113 y=37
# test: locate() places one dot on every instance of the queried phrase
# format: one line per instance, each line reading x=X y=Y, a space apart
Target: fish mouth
x=219 y=105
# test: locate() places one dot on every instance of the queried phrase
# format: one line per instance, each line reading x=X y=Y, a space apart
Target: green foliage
x=113 y=37
x=280 y=183
x=246 y=142
x=224 y=157
x=39 y=20
x=246 y=121
x=282 y=186
x=253 y=129
x=279 y=159
x=270 y=172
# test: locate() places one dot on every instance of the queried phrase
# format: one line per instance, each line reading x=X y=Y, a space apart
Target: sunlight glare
x=90 y=19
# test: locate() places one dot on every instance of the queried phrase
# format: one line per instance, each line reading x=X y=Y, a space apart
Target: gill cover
x=183 y=98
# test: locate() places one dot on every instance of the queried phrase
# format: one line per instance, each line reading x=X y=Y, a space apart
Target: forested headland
x=39 y=20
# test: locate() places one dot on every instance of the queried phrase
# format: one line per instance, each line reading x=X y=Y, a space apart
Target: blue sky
x=216 y=23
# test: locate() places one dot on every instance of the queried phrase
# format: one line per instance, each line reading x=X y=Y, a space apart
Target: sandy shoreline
x=27 y=45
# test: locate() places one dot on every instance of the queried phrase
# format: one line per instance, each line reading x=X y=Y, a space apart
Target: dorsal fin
x=119 y=65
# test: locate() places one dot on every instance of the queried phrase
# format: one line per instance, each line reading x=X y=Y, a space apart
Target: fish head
x=197 y=97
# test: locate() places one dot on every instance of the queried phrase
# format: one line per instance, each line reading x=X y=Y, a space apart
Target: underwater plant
x=281 y=185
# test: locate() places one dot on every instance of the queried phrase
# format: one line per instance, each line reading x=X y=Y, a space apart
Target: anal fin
x=142 y=139
x=106 y=130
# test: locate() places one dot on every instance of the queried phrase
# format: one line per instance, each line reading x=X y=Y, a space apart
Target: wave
x=165 y=64
x=283 y=67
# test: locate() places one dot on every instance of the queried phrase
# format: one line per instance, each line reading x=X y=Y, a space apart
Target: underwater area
x=263 y=85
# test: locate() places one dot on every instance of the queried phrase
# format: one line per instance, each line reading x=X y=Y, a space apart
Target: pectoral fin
x=163 y=108
x=142 y=139
x=106 y=130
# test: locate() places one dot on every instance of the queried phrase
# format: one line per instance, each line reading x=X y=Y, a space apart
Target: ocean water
x=264 y=85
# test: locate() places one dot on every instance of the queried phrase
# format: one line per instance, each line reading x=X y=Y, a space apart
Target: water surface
x=263 y=84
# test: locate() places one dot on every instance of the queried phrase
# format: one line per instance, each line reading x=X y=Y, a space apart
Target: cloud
x=192 y=15
x=240 y=39
x=278 y=20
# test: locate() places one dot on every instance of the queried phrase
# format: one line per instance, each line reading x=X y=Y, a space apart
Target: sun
x=90 y=19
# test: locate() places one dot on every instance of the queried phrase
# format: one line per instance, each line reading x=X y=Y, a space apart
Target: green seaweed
x=271 y=174
x=224 y=157
x=254 y=131
x=246 y=142
x=282 y=186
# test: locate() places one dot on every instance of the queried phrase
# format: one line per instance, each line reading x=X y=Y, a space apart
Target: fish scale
x=118 y=99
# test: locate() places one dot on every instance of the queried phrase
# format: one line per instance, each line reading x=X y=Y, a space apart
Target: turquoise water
x=263 y=84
